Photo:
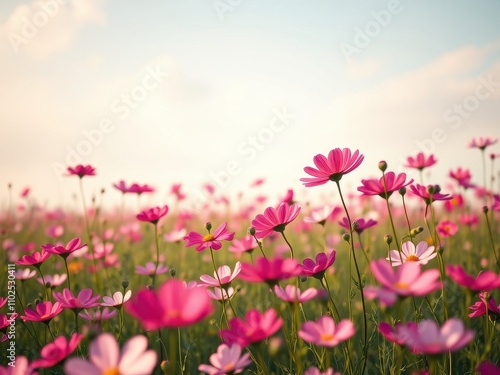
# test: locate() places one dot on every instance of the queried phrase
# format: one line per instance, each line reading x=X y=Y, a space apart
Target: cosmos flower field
x=400 y=276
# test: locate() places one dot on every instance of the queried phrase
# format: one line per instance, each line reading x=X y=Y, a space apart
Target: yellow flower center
x=401 y=285
x=228 y=367
x=208 y=237
x=111 y=371
x=412 y=258
x=326 y=337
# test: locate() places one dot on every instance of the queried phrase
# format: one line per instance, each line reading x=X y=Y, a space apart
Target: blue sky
x=191 y=91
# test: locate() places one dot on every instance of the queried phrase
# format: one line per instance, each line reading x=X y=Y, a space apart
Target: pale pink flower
x=149 y=269
x=484 y=282
x=227 y=360
x=84 y=300
x=420 y=161
x=316 y=371
x=293 y=294
x=274 y=219
x=421 y=254
x=117 y=300
x=52 y=280
x=482 y=142
x=105 y=358
x=446 y=228
x=25 y=274
x=246 y=244
x=220 y=294
x=224 y=275
x=320 y=215
x=96 y=315
x=325 y=332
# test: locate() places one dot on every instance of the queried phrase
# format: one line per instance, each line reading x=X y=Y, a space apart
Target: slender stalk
x=67 y=272
x=288 y=243
x=490 y=235
x=157 y=253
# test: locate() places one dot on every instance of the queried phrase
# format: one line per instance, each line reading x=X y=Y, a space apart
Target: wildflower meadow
x=396 y=276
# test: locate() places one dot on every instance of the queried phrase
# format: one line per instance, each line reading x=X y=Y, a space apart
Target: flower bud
x=382 y=165
x=388 y=239
x=125 y=284
x=485 y=209
x=172 y=272
x=430 y=189
x=355 y=225
x=208 y=226
x=251 y=231
x=416 y=231
x=346 y=237
x=402 y=191
x=303 y=279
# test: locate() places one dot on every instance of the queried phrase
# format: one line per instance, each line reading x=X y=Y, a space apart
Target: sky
x=228 y=91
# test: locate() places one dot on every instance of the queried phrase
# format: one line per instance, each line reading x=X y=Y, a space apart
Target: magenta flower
x=117 y=300
x=420 y=161
x=105 y=358
x=22 y=367
x=246 y=244
x=378 y=187
x=488 y=368
x=332 y=168
x=360 y=226
x=64 y=251
x=35 y=259
x=44 y=312
x=149 y=269
x=430 y=193
x=325 y=332
x=98 y=314
x=484 y=282
x=269 y=271
x=173 y=305
x=293 y=294
x=209 y=240
x=421 y=254
x=176 y=190
x=84 y=300
x=470 y=220
x=227 y=360
x=393 y=334
x=479 y=308
x=427 y=337
x=481 y=143
x=446 y=228
x=317 y=269
x=140 y=189
x=496 y=203
x=224 y=275
x=121 y=186
x=407 y=280
x=254 y=328
x=274 y=219
x=81 y=170
x=57 y=351
x=152 y=215
x=462 y=176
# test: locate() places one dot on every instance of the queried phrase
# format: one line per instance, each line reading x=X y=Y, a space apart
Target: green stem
x=288 y=243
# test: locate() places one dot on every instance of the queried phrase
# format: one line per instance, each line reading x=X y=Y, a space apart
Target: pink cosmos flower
x=140 y=189
x=209 y=240
x=484 y=282
x=332 y=168
x=121 y=186
x=488 y=368
x=317 y=269
x=360 y=226
x=224 y=275
x=176 y=190
x=427 y=337
x=152 y=215
x=447 y=228
x=269 y=271
x=55 y=231
x=35 y=259
x=25 y=274
x=246 y=244
x=105 y=358
x=254 y=328
x=481 y=143
x=274 y=219
x=52 y=280
x=22 y=367
x=84 y=300
x=227 y=360
x=288 y=198
x=456 y=201
x=173 y=305
x=421 y=254
x=430 y=193
x=44 y=312
x=406 y=280
x=378 y=187
x=462 y=176
x=479 y=308
x=64 y=251
x=117 y=300
x=81 y=170
x=393 y=334
x=325 y=332
x=3 y=301
x=316 y=371
x=149 y=269
x=98 y=314
x=420 y=161
x=220 y=294
x=293 y=294
x=55 y=352
x=320 y=215
x=496 y=203
x=175 y=235
x=470 y=220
